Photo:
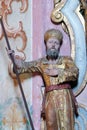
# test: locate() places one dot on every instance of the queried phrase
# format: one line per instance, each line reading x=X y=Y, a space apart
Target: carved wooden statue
x=57 y=72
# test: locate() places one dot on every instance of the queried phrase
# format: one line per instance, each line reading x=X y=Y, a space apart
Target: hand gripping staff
x=17 y=75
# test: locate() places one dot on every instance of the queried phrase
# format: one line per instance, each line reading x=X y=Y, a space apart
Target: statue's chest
x=52 y=69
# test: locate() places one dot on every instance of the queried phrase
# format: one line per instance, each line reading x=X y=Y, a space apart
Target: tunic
x=59 y=106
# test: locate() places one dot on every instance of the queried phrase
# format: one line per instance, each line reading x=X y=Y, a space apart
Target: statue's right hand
x=10 y=52
x=18 y=61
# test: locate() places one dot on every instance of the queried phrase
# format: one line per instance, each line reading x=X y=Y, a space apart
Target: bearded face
x=53 y=48
x=52 y=54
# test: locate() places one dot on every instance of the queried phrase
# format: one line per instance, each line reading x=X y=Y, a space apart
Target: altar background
x=27 y=39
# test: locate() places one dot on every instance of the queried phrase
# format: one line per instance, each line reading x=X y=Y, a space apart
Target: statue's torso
x=48 y=70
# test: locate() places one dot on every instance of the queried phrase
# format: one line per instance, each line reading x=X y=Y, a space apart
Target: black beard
x=52 y=54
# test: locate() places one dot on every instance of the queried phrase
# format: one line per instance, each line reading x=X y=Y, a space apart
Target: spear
x=17 y=75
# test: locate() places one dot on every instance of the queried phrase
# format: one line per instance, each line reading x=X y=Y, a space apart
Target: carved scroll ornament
x=5 y=10
x=58 y=17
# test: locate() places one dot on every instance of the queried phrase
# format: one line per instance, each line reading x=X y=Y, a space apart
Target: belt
x=57 y=87
x=64 y=86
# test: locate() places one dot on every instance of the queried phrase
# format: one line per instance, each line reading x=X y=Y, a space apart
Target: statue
x=58 y=73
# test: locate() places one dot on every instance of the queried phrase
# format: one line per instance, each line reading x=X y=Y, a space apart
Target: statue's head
x=53 y=33
x=53 y=40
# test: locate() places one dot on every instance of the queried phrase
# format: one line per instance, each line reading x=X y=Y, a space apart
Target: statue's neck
x=53 y=61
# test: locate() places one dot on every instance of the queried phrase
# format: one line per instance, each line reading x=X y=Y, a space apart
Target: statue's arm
x=70 y=72
x=25 y=67
x=29 y=67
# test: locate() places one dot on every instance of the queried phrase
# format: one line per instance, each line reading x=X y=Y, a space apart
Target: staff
x=17 y=75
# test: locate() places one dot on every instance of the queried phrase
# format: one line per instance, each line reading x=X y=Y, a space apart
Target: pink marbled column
x=41 y=22
x=37 y=29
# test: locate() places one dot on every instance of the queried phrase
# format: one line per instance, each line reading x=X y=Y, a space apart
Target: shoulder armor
x=43 y=60
x=67 y=58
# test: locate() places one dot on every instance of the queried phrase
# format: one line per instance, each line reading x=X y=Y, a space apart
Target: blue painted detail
x=81 y=120
x=80 y=55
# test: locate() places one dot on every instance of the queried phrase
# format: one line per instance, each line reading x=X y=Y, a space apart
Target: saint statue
x=58 y=73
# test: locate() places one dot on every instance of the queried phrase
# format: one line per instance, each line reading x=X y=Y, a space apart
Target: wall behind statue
x=17 y=19
x=27 y=39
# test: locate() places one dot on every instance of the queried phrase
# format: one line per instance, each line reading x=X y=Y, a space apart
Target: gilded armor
x=68 y=70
